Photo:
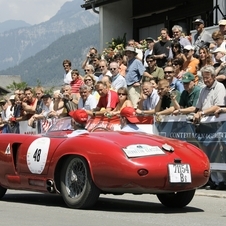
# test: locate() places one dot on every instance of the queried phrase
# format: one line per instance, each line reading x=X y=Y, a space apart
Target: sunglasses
x=168 y=72
x=87 y=70
x=113 y=69
x=150 y=61
x=101 y=66
x=121 y=94
x=88 y=79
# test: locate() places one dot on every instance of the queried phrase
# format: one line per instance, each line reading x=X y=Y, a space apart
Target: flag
x=46 y=124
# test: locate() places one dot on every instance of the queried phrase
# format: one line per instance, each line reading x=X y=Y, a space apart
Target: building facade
x=142 y=18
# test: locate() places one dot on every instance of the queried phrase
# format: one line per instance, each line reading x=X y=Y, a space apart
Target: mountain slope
x=19 y=44
x=12 y=24
x=46 y=66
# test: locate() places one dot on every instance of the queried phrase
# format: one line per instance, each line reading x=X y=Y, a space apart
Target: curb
x=211 y=193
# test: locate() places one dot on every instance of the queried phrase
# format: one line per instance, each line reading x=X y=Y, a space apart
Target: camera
x=91 y=54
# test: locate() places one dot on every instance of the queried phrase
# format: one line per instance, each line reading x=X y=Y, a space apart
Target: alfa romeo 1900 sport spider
x=82 y=166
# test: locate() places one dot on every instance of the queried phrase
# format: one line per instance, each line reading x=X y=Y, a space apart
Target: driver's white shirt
x=77 y=132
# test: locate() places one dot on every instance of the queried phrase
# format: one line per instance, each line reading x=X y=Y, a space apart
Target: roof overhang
x=90 y=4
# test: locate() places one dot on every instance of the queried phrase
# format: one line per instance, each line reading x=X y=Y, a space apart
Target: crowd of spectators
x=175 y=75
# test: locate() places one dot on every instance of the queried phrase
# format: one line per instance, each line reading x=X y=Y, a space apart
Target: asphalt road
x=27 y=208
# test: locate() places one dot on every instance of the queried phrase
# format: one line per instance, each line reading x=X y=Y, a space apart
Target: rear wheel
x=176 y=199
x=2 y=191
x=77 y=187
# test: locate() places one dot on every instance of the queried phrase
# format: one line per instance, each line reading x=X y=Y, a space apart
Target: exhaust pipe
x=51 y=187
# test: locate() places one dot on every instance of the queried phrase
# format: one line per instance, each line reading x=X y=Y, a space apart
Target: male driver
x=128 y=120
x=78 y=121
x=189 y=96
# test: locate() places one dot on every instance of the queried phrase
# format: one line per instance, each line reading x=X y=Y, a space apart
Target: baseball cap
x=3 y=101
x=150 y=39
x=188 y=77
x=222 y=50
x=12 y=97
x=198 y=21
x=80 y=116
x=130 y=114
x=188 y=47
x=222 y=22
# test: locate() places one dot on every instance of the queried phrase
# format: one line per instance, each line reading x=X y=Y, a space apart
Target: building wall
x=115 y=20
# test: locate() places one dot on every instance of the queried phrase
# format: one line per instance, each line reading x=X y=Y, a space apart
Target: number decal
x=37 y=155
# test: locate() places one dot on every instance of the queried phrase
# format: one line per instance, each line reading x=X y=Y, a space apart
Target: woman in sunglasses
x=123 y=102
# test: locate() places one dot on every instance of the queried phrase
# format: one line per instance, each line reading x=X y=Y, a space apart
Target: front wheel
x=2 y=191
x=77 y=187
x=176 y=199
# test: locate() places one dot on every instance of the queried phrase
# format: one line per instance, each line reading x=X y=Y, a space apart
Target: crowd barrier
x=209 y=135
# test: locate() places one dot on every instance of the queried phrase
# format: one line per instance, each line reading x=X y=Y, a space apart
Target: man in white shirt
x=118 y=80
x=67 y=74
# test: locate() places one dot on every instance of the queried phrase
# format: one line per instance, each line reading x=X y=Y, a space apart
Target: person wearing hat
x=220 y=64
x=189 y=96
x=128 y=120
x=191 y=63
x=202 y=36
x=150 y=43
x=222 y=26
x=134 y=73
x=79 y=119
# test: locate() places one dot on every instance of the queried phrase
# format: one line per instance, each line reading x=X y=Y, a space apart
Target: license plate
x=179 y=173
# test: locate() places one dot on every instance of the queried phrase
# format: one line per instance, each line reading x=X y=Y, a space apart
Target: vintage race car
x=81 y=165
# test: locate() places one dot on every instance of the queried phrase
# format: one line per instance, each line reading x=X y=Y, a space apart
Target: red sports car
x=80 y=165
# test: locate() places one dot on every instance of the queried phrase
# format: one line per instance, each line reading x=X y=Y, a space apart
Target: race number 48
x=37 y=155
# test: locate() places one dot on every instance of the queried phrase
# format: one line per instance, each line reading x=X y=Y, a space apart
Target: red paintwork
x=112 y=171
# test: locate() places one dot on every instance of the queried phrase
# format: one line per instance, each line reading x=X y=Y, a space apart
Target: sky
x=30 y=11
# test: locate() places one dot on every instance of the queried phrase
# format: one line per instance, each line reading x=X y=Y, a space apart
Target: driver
x=78 y=122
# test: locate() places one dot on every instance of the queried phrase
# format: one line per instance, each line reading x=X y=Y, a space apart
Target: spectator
x=90 y=81
x=103 y=65
x=6 y=114
x=218 y=38
x=67 y=74
x=149 y=101
x=205 y=58
x=135 y=71
x=173 y=81
x=128 y=120
x=177 y=35
x=152 y=71
x=108 y=99
x=89 y=57
x=150 y=43
x=178 y=67
x=107 y=79
x=76 y=82
x=117 y=79
x=122 y=67
x=209 y=98
x=162 y=49
x=220 y=65
x=177 y=50
x=167 y=98
x=87 y=101
x=222 y=26
x=191 y=63
x=89 y=69
x=189 y=96
x=66 y=100
x=201 y=37
x=95 y=62
x=134 y=44
x=123 y=102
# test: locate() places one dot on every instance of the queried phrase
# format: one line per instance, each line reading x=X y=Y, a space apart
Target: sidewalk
x=211 y=193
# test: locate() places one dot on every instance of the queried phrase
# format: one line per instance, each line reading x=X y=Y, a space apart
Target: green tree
x=14 y=86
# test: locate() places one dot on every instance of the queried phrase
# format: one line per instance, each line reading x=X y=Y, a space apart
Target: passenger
x=128 y=120
x=78 y=122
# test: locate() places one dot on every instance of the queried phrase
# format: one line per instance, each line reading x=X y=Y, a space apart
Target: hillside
x=46 y=66
x=19 y=44
x=12 y=24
